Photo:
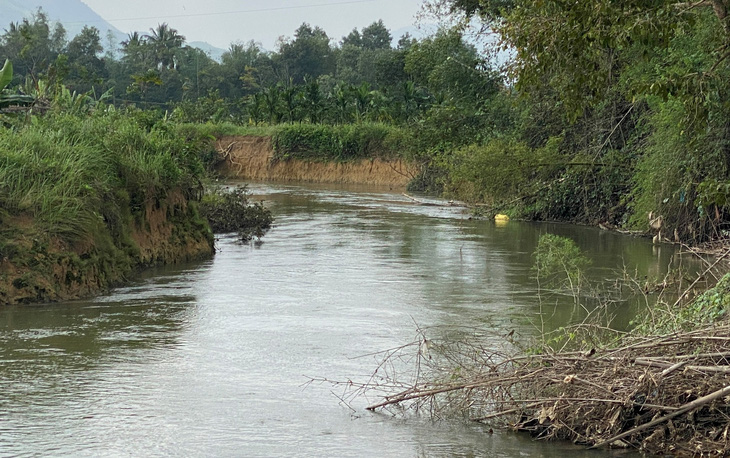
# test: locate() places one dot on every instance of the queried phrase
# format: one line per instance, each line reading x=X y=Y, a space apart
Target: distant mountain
x=212 y=51
x=73 y=14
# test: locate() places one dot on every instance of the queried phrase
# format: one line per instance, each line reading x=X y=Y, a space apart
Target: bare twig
x=697 y=403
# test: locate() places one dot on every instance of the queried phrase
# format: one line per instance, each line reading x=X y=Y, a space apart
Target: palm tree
x=363 y=97
x=272 y=104
x=135 y=51
x=165 y=42
x=313 y=101
x=290 y=97
x=341 y=98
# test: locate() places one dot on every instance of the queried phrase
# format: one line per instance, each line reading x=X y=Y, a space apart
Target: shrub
x=560 y=262
x=503 y=169
x=231 y=211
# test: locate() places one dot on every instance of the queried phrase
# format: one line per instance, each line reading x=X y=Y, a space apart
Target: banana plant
x=6 y=76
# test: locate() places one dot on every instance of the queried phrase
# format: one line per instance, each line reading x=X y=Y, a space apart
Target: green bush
x=231 y=211
x=560 y=263
x=503 y=169
x=680 y=174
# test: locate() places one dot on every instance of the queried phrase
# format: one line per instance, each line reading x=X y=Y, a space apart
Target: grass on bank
x=341 y=143
x=72 y=191
x=68 y=173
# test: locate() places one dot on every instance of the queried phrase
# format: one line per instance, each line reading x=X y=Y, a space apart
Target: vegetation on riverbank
x=341 y=142
x=632 y=123
x=88 y=198
x=662 y=388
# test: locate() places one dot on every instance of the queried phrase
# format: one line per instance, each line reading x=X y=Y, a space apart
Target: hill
x=214 y=52
x=73 y=14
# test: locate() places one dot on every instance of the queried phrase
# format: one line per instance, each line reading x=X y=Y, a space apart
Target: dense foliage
x=72 y=173
x=230 y=210
x=633 y=98
x=340 y=142
x=607 y=112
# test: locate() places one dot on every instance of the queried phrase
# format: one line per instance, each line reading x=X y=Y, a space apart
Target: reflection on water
x=212 y=358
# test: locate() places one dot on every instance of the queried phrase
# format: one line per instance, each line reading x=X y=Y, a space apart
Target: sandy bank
x=252 y=158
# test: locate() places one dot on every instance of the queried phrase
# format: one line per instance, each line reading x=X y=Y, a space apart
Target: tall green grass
x=72 y=174
x=340 y=143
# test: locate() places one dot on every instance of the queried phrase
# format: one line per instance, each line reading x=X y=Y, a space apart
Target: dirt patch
x=164 y=236
x=252 y=158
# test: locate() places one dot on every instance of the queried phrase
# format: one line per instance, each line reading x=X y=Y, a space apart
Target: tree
x=32 y=46
x=198 y=73
x=376 y=36
x=309 y=55
x=352 y=39
x=272 y=104
x=244 y=69
x=313 y=101
x=406 y=41
x=136 y=53
x=445 y=62
x=166 y=42
x=86 y=68
x=580 y=48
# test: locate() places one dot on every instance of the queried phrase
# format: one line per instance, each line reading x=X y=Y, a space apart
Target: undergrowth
x=340 y=143
x=230 y=210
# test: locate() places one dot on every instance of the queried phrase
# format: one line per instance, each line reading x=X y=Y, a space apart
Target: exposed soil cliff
x=253 y=158
x=36 y=268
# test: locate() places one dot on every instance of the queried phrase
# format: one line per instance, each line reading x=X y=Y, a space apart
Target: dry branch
x=646 y=393
x=688 y=407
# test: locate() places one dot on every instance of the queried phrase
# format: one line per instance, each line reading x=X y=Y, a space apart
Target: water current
x=213 y=358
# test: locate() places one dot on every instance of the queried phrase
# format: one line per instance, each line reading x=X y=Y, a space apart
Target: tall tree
x=166 y=42
x=580 y=48
x=32 y=45
x=376 y=36
x=308 y=55
x=352 y=39
x=86 y=68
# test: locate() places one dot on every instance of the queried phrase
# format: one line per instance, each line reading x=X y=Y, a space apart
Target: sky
x=222 y=22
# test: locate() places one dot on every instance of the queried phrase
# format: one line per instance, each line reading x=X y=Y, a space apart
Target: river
x=213 y=358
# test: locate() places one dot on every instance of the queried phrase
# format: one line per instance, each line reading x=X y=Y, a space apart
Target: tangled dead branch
x=661 y=394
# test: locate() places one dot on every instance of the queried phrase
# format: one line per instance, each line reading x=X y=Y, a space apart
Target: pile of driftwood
x=664 y=395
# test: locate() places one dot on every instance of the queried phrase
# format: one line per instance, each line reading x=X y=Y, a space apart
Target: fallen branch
x=686 y=408
x=709 y=269
x=433 y=204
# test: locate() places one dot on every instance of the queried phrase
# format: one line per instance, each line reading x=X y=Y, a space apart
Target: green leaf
x=15 y=99
x=6 y=74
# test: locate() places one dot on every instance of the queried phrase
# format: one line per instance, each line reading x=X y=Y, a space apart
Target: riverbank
x=663 y=387
x=88 y=201
x=38 y=269
x=254 y=158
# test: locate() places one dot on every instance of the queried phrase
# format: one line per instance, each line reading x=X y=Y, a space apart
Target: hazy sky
x=220 y=22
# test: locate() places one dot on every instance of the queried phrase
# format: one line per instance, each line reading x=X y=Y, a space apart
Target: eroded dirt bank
x=253 y=158
x=44 y=269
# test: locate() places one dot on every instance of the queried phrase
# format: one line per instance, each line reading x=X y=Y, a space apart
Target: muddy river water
x=212 y=358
